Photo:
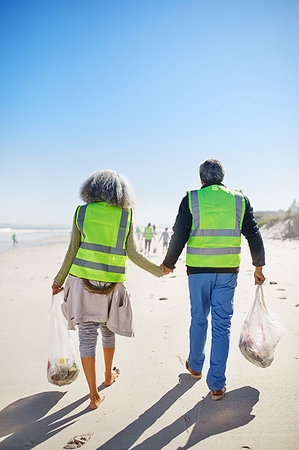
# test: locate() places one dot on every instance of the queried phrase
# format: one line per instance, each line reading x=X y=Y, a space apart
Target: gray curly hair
x=110 y=187
x=211 y=171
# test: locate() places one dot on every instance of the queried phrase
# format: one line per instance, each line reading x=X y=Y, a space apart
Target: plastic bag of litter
x=63 y=365
x=260 y=332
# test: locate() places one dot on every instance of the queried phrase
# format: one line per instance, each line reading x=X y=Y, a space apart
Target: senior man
x=211 y=220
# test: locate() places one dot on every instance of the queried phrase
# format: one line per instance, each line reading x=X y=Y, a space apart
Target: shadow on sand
x=24 y=419
x=208 y=417
x=25 y=426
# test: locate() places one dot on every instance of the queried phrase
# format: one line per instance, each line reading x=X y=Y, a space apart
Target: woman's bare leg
x=89 y=368
x=110 y=374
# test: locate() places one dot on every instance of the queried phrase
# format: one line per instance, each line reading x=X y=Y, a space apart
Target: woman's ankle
x=111 y=376
x=95 y=400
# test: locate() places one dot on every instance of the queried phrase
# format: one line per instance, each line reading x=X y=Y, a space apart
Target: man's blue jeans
x=213 y=291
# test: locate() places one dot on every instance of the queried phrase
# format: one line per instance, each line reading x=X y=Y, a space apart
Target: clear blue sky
x=150 y=89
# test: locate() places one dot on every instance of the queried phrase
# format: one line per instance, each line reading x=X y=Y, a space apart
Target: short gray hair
x=211 y=171
x=110 y=187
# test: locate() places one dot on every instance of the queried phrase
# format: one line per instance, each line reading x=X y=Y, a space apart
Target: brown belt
x=102 y=290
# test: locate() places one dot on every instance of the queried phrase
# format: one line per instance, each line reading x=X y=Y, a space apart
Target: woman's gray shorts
x=88 y=335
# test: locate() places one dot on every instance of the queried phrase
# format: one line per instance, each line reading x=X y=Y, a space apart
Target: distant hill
x=278 y=213
x=278 y=224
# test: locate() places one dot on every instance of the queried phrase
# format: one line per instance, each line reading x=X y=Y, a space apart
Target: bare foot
x=95 y=400
x=111 y=377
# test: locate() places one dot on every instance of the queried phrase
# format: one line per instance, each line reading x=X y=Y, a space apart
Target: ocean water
x=31 y=237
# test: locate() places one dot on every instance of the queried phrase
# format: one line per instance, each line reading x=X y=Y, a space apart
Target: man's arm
x=181 y=233
x=253 y=235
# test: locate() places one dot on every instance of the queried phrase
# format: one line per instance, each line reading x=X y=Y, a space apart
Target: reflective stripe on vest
x=99 y=266
x=80 y=219
x=214 y=251
x=218 y=246
x=101 y=224
x=122 y=229
x=103 y=249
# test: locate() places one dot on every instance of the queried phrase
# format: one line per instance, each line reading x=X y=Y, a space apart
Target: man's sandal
x=196 y=375
x=218 y=395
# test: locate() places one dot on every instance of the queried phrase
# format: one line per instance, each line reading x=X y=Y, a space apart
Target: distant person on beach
x=148 y=236
x=102 y=238
x=14 y=239
x=210 y=221
x=138 y=232
x=165 y=237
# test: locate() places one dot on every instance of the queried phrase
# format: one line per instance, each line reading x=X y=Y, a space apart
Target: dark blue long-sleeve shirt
x=181 y=233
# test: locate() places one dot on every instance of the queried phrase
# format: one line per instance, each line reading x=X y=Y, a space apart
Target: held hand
x=56 y=288
x=166 y=270
x=258 y=276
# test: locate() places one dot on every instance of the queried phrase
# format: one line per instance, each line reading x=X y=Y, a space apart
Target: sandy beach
x=154 y=404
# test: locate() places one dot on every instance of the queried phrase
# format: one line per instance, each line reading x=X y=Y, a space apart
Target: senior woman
x=95 y=296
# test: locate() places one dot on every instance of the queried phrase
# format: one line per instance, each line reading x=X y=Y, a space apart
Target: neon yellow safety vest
x=148 y=233
x=215 y=237
x=102 y=254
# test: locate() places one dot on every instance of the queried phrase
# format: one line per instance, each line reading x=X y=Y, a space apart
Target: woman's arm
x=70 y=255
x=138 y=258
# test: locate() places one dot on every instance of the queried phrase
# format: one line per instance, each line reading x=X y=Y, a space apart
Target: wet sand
x=154 y=403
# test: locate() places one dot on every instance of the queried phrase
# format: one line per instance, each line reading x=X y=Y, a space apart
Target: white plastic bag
x=63 y=365
x=260 y=333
